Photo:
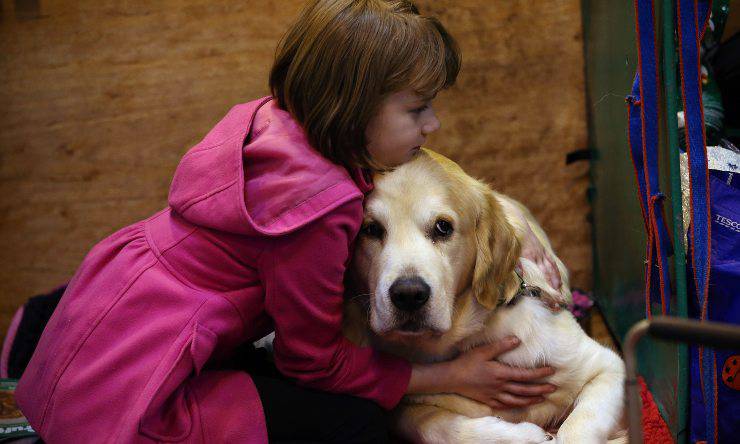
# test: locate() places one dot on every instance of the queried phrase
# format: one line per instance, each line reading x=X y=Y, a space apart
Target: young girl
x=261 y=219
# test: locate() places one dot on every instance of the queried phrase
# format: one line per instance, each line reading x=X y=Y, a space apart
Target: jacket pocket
x=168 y=414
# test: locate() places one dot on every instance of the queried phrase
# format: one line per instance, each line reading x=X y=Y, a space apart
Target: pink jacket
x=256 y=238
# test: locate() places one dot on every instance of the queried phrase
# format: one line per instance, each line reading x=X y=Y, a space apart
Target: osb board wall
x=99 y=100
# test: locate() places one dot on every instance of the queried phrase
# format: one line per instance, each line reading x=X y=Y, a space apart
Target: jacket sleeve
x=303 y=275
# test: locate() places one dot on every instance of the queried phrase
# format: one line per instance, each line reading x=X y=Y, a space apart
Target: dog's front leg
x=421 y=423
x=598 y=408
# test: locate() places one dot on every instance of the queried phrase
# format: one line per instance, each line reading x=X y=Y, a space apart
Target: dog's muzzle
x=409 y=294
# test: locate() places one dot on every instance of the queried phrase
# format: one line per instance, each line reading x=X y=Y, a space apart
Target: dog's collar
x=531 y=291
x=526 y=289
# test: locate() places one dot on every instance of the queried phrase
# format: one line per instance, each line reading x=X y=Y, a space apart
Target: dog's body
x=436 y=258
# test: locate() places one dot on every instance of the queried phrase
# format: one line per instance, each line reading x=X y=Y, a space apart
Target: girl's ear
x=498 y=250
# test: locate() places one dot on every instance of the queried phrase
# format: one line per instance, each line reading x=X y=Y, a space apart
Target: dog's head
x=430 y=234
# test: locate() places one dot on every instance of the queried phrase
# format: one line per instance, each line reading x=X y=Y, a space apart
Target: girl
x=256 y=238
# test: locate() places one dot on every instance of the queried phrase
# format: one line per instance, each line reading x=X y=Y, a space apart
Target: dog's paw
x=578 y=438
x=529 y=432
x=495 y=430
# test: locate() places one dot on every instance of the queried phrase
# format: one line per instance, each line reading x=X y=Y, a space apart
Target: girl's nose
x=431 y=125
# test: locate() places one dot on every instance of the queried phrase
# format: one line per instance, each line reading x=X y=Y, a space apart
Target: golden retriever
x=435 y=267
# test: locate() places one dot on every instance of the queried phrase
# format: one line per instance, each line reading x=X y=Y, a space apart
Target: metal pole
x=634 y=403
x=713 y=334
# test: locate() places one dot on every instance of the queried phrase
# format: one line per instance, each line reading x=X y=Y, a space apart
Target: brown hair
x=341 y=58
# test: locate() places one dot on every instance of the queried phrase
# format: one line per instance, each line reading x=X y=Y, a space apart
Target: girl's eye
x=442 y=229
x=420 y=109
x=373 y=229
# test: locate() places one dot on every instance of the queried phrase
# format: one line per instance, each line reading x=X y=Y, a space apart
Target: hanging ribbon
x=692 y=18
x=643 y=111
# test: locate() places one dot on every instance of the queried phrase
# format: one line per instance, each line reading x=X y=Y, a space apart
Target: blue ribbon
x=692 y=18
x=643 y=138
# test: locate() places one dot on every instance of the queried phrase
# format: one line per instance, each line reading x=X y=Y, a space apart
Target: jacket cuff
x=396 y=384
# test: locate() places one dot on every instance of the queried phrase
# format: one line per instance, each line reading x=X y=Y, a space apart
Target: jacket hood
x=256 y=173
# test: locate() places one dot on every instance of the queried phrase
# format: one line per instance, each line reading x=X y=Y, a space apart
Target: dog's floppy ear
x=498 y=251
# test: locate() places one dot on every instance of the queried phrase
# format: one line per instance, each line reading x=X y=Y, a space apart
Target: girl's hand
x=477 y=375
x=533 y=250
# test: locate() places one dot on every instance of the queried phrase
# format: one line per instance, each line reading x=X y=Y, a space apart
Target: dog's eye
x=442 y=229
x=373 y=229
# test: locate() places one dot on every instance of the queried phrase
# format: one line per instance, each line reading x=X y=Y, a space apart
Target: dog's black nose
x=409 y=293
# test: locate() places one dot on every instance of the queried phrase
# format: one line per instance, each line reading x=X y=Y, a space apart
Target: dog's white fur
x=468 y=274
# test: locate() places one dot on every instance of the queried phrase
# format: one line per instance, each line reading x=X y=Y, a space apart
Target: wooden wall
x=99 y=100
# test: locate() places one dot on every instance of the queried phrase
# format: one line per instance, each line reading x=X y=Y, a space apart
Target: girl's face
x=400 y=127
